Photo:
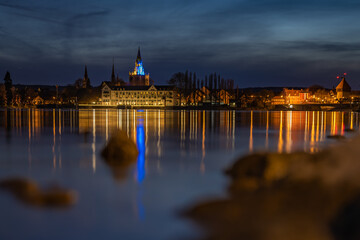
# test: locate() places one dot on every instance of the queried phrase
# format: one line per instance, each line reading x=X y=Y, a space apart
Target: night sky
x=255 y=42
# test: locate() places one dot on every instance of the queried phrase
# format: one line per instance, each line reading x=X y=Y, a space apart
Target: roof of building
x=343 y=85
x=293 y=92
x=142 y=88
x=37 y=97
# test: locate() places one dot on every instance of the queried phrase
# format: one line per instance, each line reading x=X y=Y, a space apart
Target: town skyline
x=125 y=77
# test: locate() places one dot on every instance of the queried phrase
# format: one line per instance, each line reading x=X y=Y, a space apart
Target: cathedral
x=139 y=92
x=138 y=76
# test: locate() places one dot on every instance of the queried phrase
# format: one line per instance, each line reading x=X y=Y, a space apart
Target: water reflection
x=140 y=142
x=267 y=131
x=289 y=119
x=140 y=167
x=195 y=132
x=251 y=132
x=280 y=142
x=180 y=154
x=203 y=149
x=169 y=142
x=93 y=146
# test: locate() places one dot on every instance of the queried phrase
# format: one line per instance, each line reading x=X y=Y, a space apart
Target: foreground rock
x=120 y=153
x=338 y=137
x=288 y=196
x=28 y=192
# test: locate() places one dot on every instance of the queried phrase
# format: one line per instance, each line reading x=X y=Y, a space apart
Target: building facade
x=139 y=96
x=278 y=100
x=295 y=96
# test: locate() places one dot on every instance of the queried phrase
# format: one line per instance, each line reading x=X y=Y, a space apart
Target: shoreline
x=307 y=107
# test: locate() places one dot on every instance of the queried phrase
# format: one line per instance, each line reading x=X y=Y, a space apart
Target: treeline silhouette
x=18 y=95
x=188 y=84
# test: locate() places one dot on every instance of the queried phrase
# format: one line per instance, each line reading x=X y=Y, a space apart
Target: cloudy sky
x=254 y=42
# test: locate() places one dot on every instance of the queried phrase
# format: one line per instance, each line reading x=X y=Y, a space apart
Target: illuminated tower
x=343 y=90
x=138 y=76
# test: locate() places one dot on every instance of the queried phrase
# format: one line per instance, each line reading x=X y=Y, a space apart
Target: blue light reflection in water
x=140 y=142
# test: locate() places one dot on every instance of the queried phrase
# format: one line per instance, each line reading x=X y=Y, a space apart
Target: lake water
x=182 y=157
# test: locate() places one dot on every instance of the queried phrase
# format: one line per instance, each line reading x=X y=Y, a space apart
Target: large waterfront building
x=138 y=76
x=138 y=92
x=139 y=96
x=312 y=95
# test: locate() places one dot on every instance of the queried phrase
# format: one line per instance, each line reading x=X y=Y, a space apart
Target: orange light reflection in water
x=251 y=142
x=281 y=142
x=311 y=125
x=193 y=128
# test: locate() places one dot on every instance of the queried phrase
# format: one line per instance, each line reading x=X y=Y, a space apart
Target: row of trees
x=6 y=91
x=188 y=82
x=20 y=95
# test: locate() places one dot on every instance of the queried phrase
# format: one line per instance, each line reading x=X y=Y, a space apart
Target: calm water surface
x=182 y=155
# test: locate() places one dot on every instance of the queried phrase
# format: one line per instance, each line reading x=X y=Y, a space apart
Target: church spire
x=113 y=73
x=138 y=55
x=86 y=80
x=86 y=74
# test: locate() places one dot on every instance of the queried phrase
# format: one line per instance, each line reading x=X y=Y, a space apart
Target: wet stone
x=337 y=137
x=120 y=153
x=30 y=193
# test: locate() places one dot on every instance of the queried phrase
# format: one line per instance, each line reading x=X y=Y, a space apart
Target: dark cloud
x=89 y=15
x=329 y=47
x=255 y=42
x=14 y=6
x=38 y=18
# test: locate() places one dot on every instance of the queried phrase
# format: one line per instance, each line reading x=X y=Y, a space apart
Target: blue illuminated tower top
x=139 y=68
x=137 y=77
